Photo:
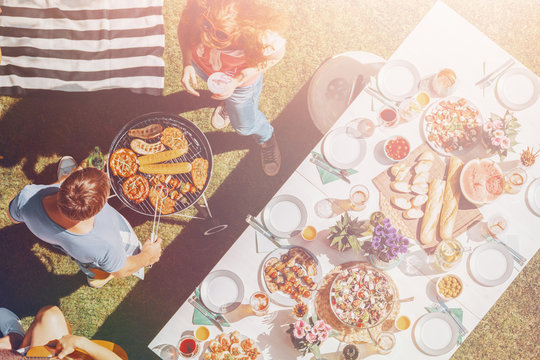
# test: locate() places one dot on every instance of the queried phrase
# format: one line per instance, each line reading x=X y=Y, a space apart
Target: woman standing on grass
x=239 y=38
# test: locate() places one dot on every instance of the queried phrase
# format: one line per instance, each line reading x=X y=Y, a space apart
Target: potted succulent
x=386 y=246
x=344 y=235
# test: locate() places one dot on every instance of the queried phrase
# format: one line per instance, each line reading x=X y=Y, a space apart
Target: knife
x=520 y=259
x=330 y=169
x=203 y=311
x=251 y=220
x=377 y=95
x=495 y=73
x=447 y=310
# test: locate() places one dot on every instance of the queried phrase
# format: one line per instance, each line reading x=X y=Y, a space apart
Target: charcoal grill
x=198 y=147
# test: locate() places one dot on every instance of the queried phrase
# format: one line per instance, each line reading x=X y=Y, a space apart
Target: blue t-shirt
x=101 y=248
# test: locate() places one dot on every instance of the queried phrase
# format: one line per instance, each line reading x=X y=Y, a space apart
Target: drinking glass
x=259 y=303
x=323 y=208
x=361 y=128
x=358 y=197
x=385 y=342
x=444 y=82
x=496 y=225
x=448 y=254
x=514 y=180
x=388 y=116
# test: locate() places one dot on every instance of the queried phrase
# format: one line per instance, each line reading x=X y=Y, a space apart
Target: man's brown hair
x=83 y=194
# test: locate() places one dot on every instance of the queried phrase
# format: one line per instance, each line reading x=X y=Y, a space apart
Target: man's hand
x=152 y=251
x=189 y=76
x=67 y=344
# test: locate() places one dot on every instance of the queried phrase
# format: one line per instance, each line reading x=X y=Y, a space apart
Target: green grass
x=36 y=131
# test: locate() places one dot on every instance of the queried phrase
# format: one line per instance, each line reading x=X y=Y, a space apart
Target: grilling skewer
x=160 y=198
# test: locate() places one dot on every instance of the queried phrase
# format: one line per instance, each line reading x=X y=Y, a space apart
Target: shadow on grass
x=25 y=283
x=187 y=260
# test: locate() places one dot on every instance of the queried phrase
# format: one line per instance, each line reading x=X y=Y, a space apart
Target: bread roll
x=430 y=221
x=451 y=198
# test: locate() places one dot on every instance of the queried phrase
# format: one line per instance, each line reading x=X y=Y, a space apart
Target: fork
x=461 y=329
x=218 y=317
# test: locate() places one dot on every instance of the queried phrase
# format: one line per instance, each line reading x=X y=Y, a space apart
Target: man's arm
x=150 y=254
x=69 y=343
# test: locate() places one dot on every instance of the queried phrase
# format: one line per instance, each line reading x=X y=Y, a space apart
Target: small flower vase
x=384 y=265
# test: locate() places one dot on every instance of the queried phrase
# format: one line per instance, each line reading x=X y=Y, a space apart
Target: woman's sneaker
x=220 y=119
x=270 y=156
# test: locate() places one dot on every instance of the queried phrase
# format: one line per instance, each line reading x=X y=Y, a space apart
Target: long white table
x=442 y=39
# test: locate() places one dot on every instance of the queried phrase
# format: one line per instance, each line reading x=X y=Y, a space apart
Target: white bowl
x=394 y=138
x=440 y=280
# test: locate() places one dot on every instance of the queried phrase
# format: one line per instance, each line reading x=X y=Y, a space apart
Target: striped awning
x=81 y=45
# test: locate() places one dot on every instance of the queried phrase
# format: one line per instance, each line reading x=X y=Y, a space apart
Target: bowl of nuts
x=449 y=287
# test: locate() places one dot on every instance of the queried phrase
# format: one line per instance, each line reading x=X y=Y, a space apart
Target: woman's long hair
x=245 y=21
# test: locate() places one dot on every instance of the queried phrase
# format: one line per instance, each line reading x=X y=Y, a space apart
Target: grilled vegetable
x=143 y=148
x=147 y=132
x=160 y=157
x=175 y=168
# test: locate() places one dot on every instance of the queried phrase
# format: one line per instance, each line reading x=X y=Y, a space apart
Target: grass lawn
x=36 y=131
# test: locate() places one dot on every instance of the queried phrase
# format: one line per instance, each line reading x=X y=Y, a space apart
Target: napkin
x=199 y=318
x=327 y=177
x=456 y=311
x=264 y=245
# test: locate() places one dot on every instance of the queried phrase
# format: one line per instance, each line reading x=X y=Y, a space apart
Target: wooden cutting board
x=468 y=213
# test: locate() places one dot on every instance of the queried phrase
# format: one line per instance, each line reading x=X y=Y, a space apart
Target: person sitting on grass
x=239 y=38
x=48 y=328
x=73 y=215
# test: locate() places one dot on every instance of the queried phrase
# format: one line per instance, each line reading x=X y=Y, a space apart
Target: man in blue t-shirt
x=73 y=215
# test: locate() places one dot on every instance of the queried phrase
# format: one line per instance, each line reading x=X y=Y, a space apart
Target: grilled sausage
x=147 y=132
x=143 y=148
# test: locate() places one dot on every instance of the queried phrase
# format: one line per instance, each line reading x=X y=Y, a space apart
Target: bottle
x=95 y=159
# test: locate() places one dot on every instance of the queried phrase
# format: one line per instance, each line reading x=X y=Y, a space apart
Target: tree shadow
x=37 y=126
x=26 y=284
x=190 y=257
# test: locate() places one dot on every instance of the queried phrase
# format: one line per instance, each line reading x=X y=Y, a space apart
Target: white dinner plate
x=436 y=333
x=284 y=214
x=342 y=150
x=398 y=80
x=278 y=296
x=491 y=264
x=222 y=291
x=533 y=196
x=517 y=89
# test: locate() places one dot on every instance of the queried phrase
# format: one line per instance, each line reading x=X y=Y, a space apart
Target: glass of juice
x=496 y=225
x=309 y=233
x=388 y=116
x=358 y=197
x=202 y=333
x=448 y=254
x=402 y=323
x=514 y=180
x=188 y=346
x=444 y=82
x=259 y=303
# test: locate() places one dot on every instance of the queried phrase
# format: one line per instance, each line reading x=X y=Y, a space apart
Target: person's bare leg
x=49 y=324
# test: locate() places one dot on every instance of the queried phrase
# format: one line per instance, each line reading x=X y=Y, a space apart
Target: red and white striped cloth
x=81 y=45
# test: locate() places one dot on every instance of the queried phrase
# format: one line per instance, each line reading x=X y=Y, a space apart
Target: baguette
x=160 y=157
x=175 y=168
x=451 y=198
x=430 y=221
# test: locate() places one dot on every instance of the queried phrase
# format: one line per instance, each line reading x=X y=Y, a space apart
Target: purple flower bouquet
x=386 y=244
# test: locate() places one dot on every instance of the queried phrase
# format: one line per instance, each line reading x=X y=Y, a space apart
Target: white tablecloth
x=442 y=39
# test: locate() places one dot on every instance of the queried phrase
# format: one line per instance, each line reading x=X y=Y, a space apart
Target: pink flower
x=497 y=124
x=322 y=336
x=488 y=126
x=300 y=324
x=496 y=141
x=505 y=143
x=299 y=333
x=319 y=326
x=498 y=133
x=311 y=338
x=327 y=327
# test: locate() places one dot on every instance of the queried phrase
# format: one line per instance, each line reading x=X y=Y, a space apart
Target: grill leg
x=211 y=225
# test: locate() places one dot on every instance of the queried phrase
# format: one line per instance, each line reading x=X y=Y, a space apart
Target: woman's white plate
x=284 y=214
x=517 y=89
x=436 y=333
x=342 y=150
x=222 y=291
x=491 y=264
x=278 y=296
x=533 y=196
x=398 y=79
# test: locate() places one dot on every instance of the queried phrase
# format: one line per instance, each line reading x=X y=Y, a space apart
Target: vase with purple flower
x=386 y=247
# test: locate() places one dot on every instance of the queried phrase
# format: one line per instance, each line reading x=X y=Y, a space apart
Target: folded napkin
x=456 y=311
x=199 y=318
x=264 y=245
x=327 y=177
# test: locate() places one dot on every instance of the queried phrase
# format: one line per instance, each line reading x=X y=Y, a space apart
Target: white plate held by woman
x=436 y=333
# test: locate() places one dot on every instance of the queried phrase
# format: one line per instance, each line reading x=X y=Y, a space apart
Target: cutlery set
x=320 y=161
x=216 y=319
x=442 y=307
x=261 y=229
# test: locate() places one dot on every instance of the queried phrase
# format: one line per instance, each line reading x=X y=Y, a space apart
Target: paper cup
x=218 y=82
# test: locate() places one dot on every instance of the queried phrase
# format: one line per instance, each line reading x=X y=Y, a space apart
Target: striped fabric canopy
x=81 y=45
